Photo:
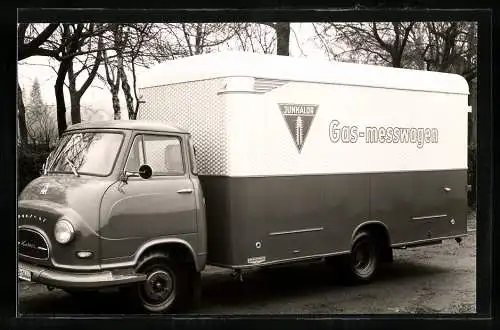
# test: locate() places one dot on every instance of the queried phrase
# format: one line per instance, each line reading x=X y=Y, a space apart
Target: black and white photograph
x=247 y=167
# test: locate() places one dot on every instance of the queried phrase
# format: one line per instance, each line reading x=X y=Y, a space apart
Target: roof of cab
x=287 y=68
x=142 y=125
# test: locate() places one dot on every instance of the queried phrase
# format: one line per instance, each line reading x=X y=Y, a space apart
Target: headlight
x=64 y=231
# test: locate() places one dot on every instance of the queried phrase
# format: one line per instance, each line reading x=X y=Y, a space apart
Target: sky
x=98 y=96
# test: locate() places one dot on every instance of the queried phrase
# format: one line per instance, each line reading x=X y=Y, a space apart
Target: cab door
x=143 y=209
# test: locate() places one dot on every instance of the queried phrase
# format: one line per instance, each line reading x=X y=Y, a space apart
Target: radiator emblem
x=44 y=189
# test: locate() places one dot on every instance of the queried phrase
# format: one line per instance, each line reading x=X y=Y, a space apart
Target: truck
x=247 y=161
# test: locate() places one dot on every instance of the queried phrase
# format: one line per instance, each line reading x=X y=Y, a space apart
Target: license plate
x=24 y=274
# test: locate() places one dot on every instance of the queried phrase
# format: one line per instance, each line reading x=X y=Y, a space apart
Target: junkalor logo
x=299 y=118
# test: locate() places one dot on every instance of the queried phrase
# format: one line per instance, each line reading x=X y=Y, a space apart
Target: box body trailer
x=244 y=160
x=295 y=155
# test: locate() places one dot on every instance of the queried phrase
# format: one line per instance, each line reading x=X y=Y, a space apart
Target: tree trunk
x=123 y=76
x=283 y=38
x=116 y=101
x=23 y=131
x=128 y=95
x=137 y=103
x=59 y=91
x=396 y=59
x=73 y=96
x=64 y=66
x=75 y=109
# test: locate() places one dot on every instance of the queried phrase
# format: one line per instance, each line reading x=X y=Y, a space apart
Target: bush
x=30 y=160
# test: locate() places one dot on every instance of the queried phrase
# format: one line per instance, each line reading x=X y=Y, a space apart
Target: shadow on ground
x=223 y=290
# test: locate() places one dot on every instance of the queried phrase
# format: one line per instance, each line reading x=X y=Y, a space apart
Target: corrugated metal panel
x=197 y=108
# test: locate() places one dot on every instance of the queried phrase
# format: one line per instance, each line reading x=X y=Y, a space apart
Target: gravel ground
x=471 y=220
x=432 y=279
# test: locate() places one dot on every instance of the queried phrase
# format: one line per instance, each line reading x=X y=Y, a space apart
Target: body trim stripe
x=298 y=231
x=430 y=217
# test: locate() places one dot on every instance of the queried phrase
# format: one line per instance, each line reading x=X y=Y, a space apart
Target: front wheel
x=166 y=287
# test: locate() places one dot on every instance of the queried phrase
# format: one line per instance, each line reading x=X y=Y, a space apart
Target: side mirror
x=145 y=171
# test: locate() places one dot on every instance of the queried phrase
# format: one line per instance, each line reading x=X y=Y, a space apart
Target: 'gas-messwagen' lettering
x=372 y=134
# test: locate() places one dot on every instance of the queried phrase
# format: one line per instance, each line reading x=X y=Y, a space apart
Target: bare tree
x=282 y=30
x=142 y=39
x=91 y=69
x=115 y=69
x=31 y=42
x=451 y=47
x=71 y=36
x=254 y=37
x=143 y=44
x=282 y=38
x=188 y=39
x=376 y=42
x=263 y=37
x=113 y=81
x=62 y=42
x=121 y=40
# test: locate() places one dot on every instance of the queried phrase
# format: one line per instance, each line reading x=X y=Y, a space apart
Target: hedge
x=30 y=160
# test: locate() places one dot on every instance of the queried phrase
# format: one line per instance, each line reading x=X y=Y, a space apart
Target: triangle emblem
x=299 y=118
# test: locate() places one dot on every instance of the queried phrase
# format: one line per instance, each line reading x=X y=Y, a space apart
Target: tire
x=166 y=288
x=364 y=260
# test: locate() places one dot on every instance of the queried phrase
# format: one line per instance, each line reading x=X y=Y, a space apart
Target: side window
x=163 y=154
x=136 y=155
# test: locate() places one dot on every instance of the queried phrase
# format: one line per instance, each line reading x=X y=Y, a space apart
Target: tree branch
x=92 y=73
x=43 y=36
x=379 y=40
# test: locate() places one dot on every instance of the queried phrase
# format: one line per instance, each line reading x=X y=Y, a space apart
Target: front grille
x=32 y=244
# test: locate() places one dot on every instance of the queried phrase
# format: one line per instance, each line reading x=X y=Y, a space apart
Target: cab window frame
x=166 y=136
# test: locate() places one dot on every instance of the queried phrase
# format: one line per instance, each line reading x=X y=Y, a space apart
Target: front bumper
x=71 y=280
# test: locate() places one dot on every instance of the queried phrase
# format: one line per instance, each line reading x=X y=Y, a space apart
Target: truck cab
x=119 y=204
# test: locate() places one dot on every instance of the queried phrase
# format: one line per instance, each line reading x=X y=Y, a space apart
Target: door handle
x=185 y=191
x=447 y=189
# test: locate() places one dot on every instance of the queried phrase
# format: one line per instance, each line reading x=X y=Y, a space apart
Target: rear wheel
x=363 y=262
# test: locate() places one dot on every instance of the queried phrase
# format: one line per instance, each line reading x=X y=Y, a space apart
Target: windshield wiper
x=73 y=167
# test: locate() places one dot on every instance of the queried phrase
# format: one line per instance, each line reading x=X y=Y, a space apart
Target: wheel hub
x=362 y=258
x=158 y=286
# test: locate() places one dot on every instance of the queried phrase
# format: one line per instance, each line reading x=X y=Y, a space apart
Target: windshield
x=92 y=153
